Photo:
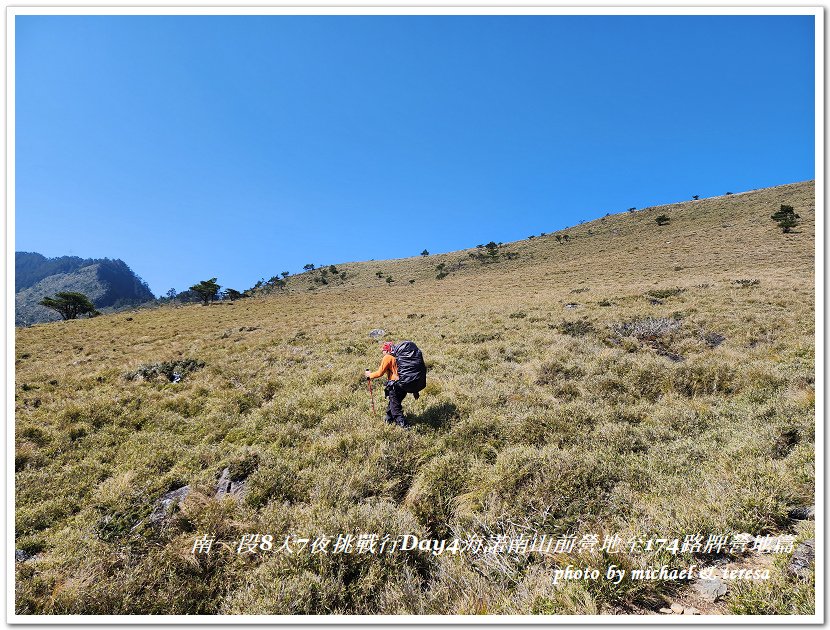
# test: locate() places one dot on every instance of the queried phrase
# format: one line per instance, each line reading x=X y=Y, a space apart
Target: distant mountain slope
x=108 y=283
x=31 y=267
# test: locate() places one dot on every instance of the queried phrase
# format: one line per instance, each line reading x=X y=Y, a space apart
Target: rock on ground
x=166 y=502
x=803 y=556
x=804 y=513
x=227 y=487
x=710 y=589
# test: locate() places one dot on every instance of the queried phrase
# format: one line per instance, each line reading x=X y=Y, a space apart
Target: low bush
x=701 y=378
x=554 y=372
x=665 y=293
x=578 y=328
x=647 y=329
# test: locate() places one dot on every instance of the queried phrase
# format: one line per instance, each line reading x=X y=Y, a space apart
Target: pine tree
x=70 y=304
x=786 y=218
x=206 y=289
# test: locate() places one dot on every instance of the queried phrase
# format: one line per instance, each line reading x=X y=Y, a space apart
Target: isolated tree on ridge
x=786 y=218
x=206 y=289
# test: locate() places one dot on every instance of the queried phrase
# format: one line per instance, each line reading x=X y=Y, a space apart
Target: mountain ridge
x=109 y=283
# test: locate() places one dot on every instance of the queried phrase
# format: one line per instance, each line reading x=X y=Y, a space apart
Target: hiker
x=393 y=389
x=389 y=367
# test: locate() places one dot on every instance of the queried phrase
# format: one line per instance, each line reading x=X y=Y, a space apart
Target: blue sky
x=240 y=147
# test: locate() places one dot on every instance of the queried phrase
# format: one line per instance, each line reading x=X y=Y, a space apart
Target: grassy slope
x=521 y=424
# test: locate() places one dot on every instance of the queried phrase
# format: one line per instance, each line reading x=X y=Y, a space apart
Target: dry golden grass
x=535 y=413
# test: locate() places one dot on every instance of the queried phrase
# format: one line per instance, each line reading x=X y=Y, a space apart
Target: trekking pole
x=371 y=395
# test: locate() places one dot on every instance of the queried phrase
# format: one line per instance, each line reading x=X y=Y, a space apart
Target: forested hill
x=108 y=283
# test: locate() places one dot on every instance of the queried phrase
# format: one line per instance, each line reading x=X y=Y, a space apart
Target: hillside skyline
x=265 y=274
x=360 y=137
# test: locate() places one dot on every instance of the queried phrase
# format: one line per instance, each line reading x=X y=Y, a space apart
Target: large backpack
x=412 y=371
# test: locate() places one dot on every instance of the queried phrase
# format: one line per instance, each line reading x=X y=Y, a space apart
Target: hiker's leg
x=387 y=390
x=396 y=396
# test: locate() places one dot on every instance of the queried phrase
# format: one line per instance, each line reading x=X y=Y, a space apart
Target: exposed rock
x=710 y=589
x=377 y=332
x=167 y=502
x=22 y=556
x=803 y=556
x=690 y=610
x=665 y=611
x=228 y=487
x=171 y=371
x=677 y=609
x=571 y=305
x=713 y=339
x=803 y=513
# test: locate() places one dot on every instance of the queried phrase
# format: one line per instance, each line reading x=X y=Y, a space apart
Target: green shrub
x=578 y=328
x=665 y=293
